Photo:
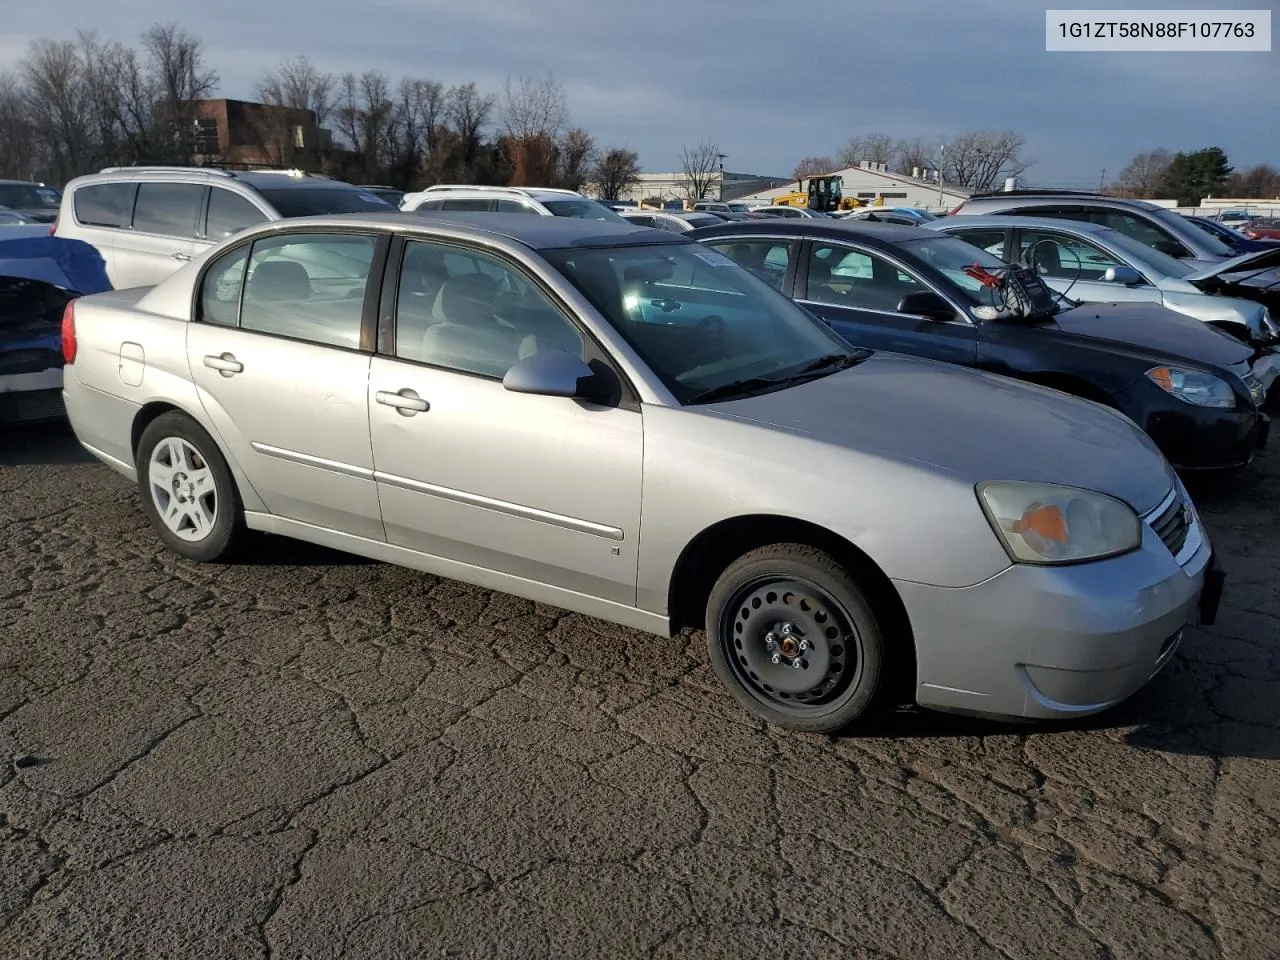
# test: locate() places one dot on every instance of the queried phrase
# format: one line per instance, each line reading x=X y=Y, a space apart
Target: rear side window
x=461 y=204
x=230 y=213
x=104 y=204
x=168 y=209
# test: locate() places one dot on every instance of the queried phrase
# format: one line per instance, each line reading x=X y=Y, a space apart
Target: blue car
x=39 y=276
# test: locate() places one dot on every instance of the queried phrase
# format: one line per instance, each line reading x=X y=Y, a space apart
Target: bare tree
x=978 y=159
x=19 y=153
x=575 y=154
x=534 y=111
x=813 y=166
x=176 y=61
x=60 y=107
x=124 y=95
x=616 y=171
x=1262 y=181
x=366 y=118
x=876 y=147
x=701 y=168
x=1145 y=172
x=297 y=84
x=468 y=112
x=914 y=154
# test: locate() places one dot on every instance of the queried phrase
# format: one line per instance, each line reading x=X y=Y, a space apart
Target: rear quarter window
x=104 y=204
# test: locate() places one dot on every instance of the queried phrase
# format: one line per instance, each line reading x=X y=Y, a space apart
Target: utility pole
x=1102 y=180
x=942 y=152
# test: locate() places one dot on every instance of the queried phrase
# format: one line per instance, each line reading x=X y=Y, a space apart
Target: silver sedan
x=1093 y=262
x=618 y=421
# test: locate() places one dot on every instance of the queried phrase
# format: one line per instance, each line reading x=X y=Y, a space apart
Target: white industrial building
x=872 y=183
x=674 y=187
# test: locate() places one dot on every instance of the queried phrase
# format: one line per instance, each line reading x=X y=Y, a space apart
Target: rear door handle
x=226 y=364
x=183 y=257
x=406 y=401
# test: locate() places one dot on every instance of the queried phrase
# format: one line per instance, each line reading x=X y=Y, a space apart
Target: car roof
x=1026 y=223
x=538 y=233
x=1081 y=199
x=884 y=234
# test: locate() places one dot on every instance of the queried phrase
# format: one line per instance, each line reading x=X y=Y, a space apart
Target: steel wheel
x=791 y=645
x=183 y=489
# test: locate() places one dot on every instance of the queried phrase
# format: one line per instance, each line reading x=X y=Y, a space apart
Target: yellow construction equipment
x=824 y=194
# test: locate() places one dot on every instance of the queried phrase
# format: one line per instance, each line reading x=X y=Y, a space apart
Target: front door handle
x=183 y=257
x=406 y=401
x=226 y=364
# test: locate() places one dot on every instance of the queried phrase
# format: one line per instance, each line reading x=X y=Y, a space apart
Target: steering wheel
x=710 y=331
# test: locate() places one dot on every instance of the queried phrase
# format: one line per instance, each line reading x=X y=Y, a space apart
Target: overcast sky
x=769 y=81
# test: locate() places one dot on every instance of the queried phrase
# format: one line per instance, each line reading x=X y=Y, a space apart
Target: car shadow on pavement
x=266 y=550
x=40 y=444
x=1173 y=715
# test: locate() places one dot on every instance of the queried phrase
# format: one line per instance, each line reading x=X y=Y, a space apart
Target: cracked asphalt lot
x=311 y=756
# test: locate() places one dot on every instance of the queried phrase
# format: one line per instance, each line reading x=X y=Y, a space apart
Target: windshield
x=1137 y=250
x=583 y=209
x=1177 y=223
x=27 y=196
x=698 y=320
x=320 y=201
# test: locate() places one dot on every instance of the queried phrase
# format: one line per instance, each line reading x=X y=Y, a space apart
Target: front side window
x=168 y=209
x=105 y=204
x=308 y=287
x=767 y=259
x=698 y=320
x=513 y=206
x=470 y=312
x=229 y=213
x=1057 y=256
x=955 y=260
x=845 y=277
x=1142 y=230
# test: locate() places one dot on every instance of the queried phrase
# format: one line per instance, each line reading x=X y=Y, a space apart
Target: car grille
x=1173 y=523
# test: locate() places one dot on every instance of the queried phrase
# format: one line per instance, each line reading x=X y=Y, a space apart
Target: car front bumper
x=1198 y=438
x=1041 y=642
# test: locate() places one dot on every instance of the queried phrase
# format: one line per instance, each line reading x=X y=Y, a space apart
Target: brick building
x=240 y=134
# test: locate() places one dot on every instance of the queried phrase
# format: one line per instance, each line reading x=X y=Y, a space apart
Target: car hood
x=1153 y=327
x=972 y=425
x=1256 y=260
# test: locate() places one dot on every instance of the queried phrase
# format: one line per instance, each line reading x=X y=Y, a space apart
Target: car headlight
x=1194 y=386
x=1052 y=523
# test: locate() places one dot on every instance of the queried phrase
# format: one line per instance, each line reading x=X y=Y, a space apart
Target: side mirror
x=1122 y=274
x=926 y=303
x=554 y=373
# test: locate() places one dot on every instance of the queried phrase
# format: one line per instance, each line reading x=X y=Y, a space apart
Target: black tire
x=226 y=529
x=845 y=660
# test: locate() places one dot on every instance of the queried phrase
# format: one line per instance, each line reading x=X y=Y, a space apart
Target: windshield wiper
x=810 y=371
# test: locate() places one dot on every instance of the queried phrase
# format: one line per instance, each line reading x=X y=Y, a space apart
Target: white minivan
x=148 y=221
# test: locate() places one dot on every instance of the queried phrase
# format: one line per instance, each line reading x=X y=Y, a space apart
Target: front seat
x=468 y=336
x=819 y=286
x=1046 y=260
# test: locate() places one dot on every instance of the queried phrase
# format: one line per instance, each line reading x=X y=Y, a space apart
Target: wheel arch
x=708 y=554
x=154 y=409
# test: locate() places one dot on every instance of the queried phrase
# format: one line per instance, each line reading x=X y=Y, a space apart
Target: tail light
x=69 y=333
x=956 y=209
x=53 y=227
